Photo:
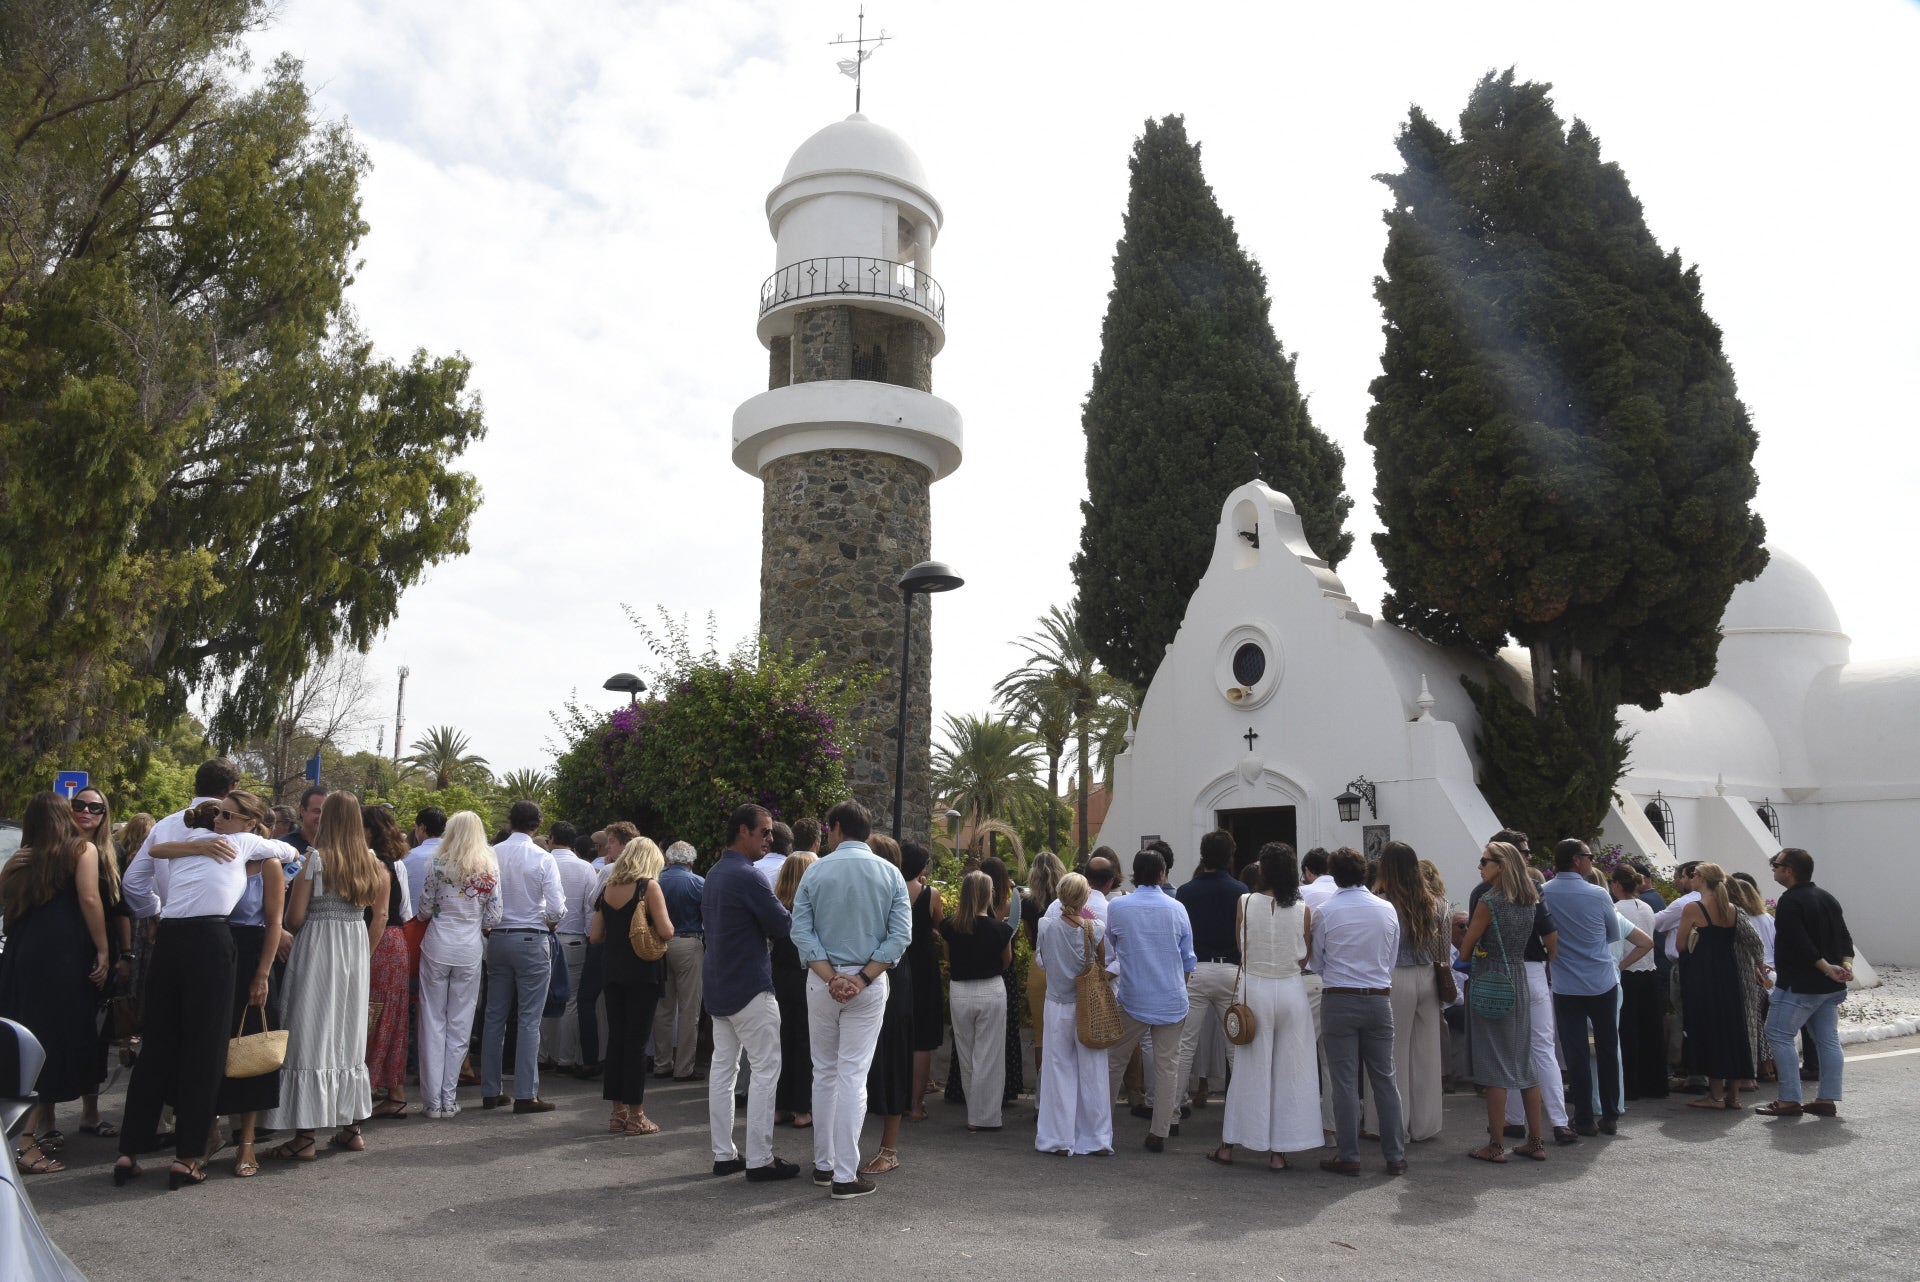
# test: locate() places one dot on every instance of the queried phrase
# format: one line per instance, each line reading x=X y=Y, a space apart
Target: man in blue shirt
x=741 y=915
x=851 y=924
x=1152 y=941
x=1586 y=984
x=676 y=1020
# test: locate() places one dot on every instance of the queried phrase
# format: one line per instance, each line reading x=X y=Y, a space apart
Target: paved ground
x=1678 y=1193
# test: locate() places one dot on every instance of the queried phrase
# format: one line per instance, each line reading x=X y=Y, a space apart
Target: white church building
x=1282 y=711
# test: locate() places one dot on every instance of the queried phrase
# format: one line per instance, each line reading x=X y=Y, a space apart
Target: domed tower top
x=853 y=221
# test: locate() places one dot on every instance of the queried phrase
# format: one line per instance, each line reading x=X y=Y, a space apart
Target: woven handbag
x=641 y=936
x=256 y=1054
x=1237 y=1021
x=1491 y=993
x=1096 y=1018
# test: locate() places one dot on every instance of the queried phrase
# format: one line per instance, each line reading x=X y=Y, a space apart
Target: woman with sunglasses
x=256 y=1002
x=94 y=818
x=188 y=1017
x=1499 y=1045
x=55 y=962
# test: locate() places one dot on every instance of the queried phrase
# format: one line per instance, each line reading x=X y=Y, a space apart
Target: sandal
x=640 y=1124
x=194 y=1174
x=921 y=1116
x=882 y=1162
x=298 y=1149
x=1488 y=1153
x=45 y=1164
x=104 y=1129
x=348 y=1139
x=1279 y=1162
x=1533 y=1148
x=244 y=1167
x=382 y=1113
x=799 y=1125
x=1214 y=1156
x=617 y=1124
x=1707 y=1101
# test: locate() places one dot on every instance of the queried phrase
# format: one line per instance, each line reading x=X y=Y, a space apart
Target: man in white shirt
x=560 y=1035
x=1356 y=938
x=211 y=782
x=1668 y=920
x=519 y=962
x=1316 y=888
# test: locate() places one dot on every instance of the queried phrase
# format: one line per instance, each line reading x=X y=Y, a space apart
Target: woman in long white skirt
x=324 y=1081
x=1273 y=1102
x=1076 y=1107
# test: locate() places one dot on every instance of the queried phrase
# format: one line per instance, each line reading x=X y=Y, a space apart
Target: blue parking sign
x=69 y=783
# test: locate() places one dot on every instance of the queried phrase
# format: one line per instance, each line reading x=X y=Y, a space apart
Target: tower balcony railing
x=857 y=278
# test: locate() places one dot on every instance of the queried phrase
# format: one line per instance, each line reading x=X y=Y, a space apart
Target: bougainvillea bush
x=712 y=732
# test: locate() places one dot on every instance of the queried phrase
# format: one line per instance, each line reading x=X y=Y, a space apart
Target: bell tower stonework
x=848 y=438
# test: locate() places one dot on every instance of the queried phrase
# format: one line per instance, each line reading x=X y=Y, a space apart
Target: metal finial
x=851 y=67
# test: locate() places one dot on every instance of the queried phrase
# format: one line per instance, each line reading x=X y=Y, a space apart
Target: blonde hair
x=976 y=900
x=252 y=807
x=1746 y=897
x=640 y=859
x=463 y=854
x=103 y=842
x=1712 y=879
x=1072 y=893
x=787 y=884
x=1043 y=878
x=350 y=868
x=1513 y=882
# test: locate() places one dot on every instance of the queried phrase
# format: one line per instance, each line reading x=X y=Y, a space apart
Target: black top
x=1808 y=927
x=618 y=963
x=976 y=954
x=1542 y=924
x=1212 y=900
x=1030 y=913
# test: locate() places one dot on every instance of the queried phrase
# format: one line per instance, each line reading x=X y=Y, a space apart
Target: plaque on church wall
x=1374 y=839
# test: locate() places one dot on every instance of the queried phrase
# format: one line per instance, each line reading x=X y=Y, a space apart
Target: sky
x=573 y=197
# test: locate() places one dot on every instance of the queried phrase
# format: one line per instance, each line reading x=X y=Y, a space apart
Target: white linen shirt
x=200 y=885
x=144 y=883
x=1668 y=919
x=531 y=897
x=1638 y=915
x=417 y=862
x=1356 y=939
x=577 y=880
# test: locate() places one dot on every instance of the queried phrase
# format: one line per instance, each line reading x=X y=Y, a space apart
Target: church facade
x=1282 y=711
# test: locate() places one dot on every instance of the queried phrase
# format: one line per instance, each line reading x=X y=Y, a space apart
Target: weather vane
x=851 y=66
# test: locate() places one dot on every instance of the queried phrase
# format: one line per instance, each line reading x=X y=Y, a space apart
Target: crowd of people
x=813 y=972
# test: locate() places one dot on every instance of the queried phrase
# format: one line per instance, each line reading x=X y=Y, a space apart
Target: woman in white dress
x=338 y=909
x=459 y=901
x=1273 y=1101
x=1076 y=1106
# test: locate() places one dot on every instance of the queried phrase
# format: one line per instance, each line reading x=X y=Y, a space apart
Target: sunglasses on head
x=90 y=807
x=231 y=814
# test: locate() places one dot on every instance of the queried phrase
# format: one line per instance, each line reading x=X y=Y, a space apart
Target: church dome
x=1785 y=598
x=857 y=145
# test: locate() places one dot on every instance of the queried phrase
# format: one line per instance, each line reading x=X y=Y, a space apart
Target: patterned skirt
x=387 y=1035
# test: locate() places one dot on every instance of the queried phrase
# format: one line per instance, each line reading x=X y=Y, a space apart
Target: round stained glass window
x=1249 y=664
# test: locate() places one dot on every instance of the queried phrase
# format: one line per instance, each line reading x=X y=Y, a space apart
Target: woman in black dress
x=923 y=957
x=793 y=1097
x=1714 y=1008
x=55 y=962
x=890 y=1077
x=93 y=817
x=631 y=985
x=254 y=920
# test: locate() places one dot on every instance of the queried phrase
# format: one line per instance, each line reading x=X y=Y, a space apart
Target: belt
x=1221 y=961
x=521 y=930
x=1358 y=992
x=195 y=921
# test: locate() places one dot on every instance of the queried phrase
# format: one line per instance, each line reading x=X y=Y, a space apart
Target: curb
x=1880 y=1032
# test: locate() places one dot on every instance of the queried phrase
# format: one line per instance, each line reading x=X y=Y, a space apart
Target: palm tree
x=1110 y=726
x=533 y=785
x=442 y=753
x=1045 y=711
x=1059 y=657
x=985 y=769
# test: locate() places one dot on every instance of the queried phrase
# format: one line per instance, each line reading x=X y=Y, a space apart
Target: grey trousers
x=1359 y=1035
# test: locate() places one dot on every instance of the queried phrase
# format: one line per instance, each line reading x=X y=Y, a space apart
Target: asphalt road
x=1679 y=1193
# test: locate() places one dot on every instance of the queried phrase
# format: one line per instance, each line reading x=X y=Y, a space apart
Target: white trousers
x=1210 y=991
x=1075 y=1113
x=560 y=1036
x=1546 y=1053
x=979 y=1011
x=1315 y=987
x=844 y=1038
x=754 y=1029
x=1165 y=1074
x=449 y=995
x=1417 y=1056
x=676 y=1021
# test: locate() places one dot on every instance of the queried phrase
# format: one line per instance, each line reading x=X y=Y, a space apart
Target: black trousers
x=587 y=1005
x=183 y=1052
x=629 y=1023
x=1571 y=1015
x=1643 y=1038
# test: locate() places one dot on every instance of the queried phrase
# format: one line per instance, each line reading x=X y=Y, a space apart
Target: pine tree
x=1191 y=382
x=1560 y=453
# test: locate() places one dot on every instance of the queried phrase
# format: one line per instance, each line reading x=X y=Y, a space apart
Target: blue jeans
x=1819 y=1014
x=517 y=966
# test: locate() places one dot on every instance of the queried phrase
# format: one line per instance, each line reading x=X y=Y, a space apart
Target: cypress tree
x=1191 y=382
x=1560 y=453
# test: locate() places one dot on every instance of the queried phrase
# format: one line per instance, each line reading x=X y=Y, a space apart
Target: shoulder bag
x=641 y=936
x=1096 y=1017
x=1237 y=1021
x=256 y=1054
x=1444 y=985
x=1491 y=993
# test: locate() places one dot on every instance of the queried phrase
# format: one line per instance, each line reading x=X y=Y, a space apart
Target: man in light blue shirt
x=1152 y=941
x=1585 y=982
x=851 y=923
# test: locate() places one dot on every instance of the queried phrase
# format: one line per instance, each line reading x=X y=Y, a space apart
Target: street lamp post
x=928 y=576
x=633 y=686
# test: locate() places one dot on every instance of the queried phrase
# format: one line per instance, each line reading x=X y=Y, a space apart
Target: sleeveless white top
x=1276 y=937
